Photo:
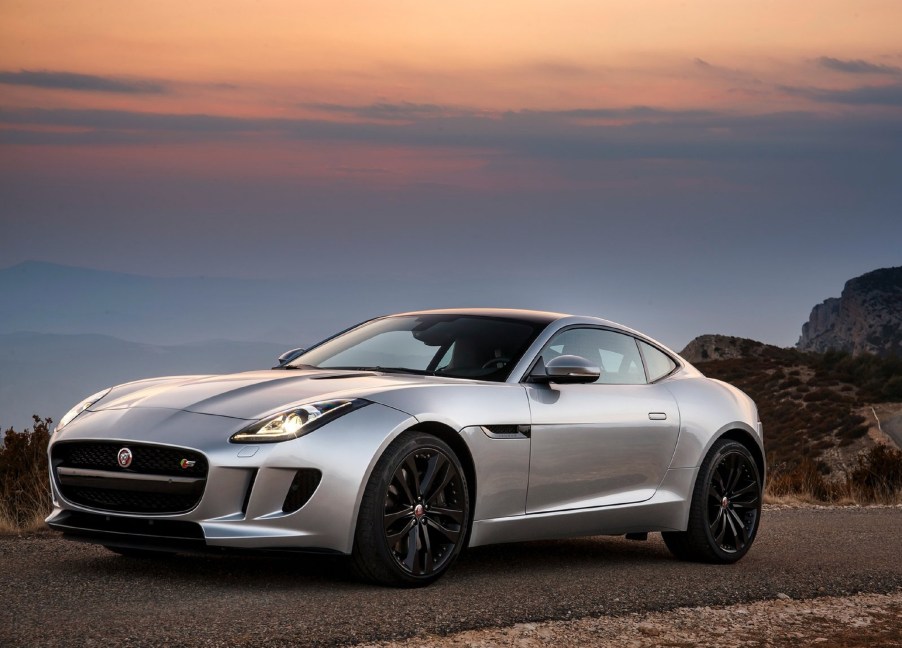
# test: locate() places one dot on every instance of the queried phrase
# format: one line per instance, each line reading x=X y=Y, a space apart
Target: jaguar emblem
x=124 y=457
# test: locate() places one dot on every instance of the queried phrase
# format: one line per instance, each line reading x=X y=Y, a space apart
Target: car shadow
x=312 y=571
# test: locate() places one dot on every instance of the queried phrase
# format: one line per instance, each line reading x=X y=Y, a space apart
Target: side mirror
x=288 y=356
x=565 y=369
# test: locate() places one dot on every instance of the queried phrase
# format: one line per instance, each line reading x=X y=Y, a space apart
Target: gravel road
x=56 y=592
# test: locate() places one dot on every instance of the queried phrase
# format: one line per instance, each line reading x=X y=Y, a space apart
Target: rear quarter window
x=657 y=363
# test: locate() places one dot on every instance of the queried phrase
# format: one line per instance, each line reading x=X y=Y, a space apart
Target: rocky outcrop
x=706 y=348
x=867 y=318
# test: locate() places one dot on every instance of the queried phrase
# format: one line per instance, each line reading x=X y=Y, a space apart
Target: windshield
x=459 y=346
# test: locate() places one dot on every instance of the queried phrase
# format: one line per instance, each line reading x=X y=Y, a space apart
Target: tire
x=414 y=513
x=725 y=510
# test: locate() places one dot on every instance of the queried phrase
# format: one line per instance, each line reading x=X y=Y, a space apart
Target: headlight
x=297 y=421
x=81 y=407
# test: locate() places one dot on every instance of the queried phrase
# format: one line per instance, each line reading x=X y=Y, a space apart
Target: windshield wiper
x=400 y=370
x=289 y=367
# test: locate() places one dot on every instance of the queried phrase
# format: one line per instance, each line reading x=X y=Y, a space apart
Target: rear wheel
x=725 y=509
x=414 y=513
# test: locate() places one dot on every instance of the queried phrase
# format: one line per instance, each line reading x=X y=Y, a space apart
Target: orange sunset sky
x=716 y=128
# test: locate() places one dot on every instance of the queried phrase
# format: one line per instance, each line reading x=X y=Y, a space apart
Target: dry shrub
x=24 y=478
x=804 y=481
x=876 y=479
x=878 y=475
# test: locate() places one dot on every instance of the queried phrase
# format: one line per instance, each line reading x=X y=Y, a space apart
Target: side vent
x=507 y=431
x=247 y=495
x=301 y=490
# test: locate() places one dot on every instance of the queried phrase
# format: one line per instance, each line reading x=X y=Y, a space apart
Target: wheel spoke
x=714 y=493
x=427 y=549
x=412 y=541
x=434 y=467
x=751 y=486
x=750 y=501
x=721 y=519
x=401 y=479
x=413 y=474
x=454 y=514
x=733 y=531
x=393 y=538
x=453 y=535
x=450 y=473
x=390 y=518
x=737 y=467
x=743 y=533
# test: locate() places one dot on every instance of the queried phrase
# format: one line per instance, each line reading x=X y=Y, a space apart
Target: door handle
x=657 y=416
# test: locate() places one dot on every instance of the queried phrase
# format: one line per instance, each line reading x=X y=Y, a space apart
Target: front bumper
x=246 y=485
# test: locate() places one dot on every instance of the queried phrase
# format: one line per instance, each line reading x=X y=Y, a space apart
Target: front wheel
x=725 y=509
x=414 y=513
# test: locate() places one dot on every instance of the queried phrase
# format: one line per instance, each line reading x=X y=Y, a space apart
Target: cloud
x=382 y=110
x=857 y=66
x=80 y=82
x=884 y=95
x=639 y=132
x=733 y=75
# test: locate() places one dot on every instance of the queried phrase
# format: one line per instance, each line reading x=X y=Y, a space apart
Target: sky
x=682 y=167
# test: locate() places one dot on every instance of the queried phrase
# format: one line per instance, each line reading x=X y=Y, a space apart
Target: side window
x=615 y=354
x=658 y=363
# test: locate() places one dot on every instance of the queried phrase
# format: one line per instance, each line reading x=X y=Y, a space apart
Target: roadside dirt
x=863 y=620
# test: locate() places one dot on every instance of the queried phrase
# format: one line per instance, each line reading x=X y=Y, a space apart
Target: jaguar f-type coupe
x=407 y=438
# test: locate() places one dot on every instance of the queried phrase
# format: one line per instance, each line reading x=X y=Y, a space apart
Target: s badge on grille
x=124 y=457
x=186 y=463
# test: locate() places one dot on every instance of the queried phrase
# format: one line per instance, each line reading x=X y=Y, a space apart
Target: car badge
x=186 y=463
x=125 y=457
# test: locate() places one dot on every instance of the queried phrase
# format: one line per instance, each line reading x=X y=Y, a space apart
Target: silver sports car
x=407 y=438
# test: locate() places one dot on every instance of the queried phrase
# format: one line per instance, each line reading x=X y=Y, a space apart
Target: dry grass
x=24 y=478
x=875 y=479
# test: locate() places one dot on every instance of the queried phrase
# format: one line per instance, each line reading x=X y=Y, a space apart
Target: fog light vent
x=301 y=490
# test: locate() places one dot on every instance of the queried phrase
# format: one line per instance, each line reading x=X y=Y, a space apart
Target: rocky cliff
x=866 y=318
x=707 y=348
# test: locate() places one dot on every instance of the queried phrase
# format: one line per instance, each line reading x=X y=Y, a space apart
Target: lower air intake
x=302 y=488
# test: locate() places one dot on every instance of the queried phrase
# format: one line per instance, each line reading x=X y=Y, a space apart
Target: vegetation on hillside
x=807 y=403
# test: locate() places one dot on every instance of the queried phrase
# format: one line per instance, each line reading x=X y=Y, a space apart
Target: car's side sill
x=667 y=510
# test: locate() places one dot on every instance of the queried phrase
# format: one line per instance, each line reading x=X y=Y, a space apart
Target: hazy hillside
x=48 y=298
x=813 y=406
x=47 y=374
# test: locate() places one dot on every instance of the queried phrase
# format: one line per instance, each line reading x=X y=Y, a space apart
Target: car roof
x=532 y=316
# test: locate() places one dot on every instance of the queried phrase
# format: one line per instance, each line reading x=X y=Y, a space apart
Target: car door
x=603 y=443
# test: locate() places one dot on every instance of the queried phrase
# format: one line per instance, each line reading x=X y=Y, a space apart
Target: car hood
x=255 y=394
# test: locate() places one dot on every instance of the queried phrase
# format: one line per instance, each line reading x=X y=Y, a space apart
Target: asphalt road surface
x=56 y=592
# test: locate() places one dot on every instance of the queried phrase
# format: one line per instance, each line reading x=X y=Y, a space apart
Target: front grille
x=130 y=501
x=96 y=480
x=148 y=459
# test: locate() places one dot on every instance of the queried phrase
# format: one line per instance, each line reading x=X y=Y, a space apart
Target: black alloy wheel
x=414 y=514
x=725 y=510
x=733 y=501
